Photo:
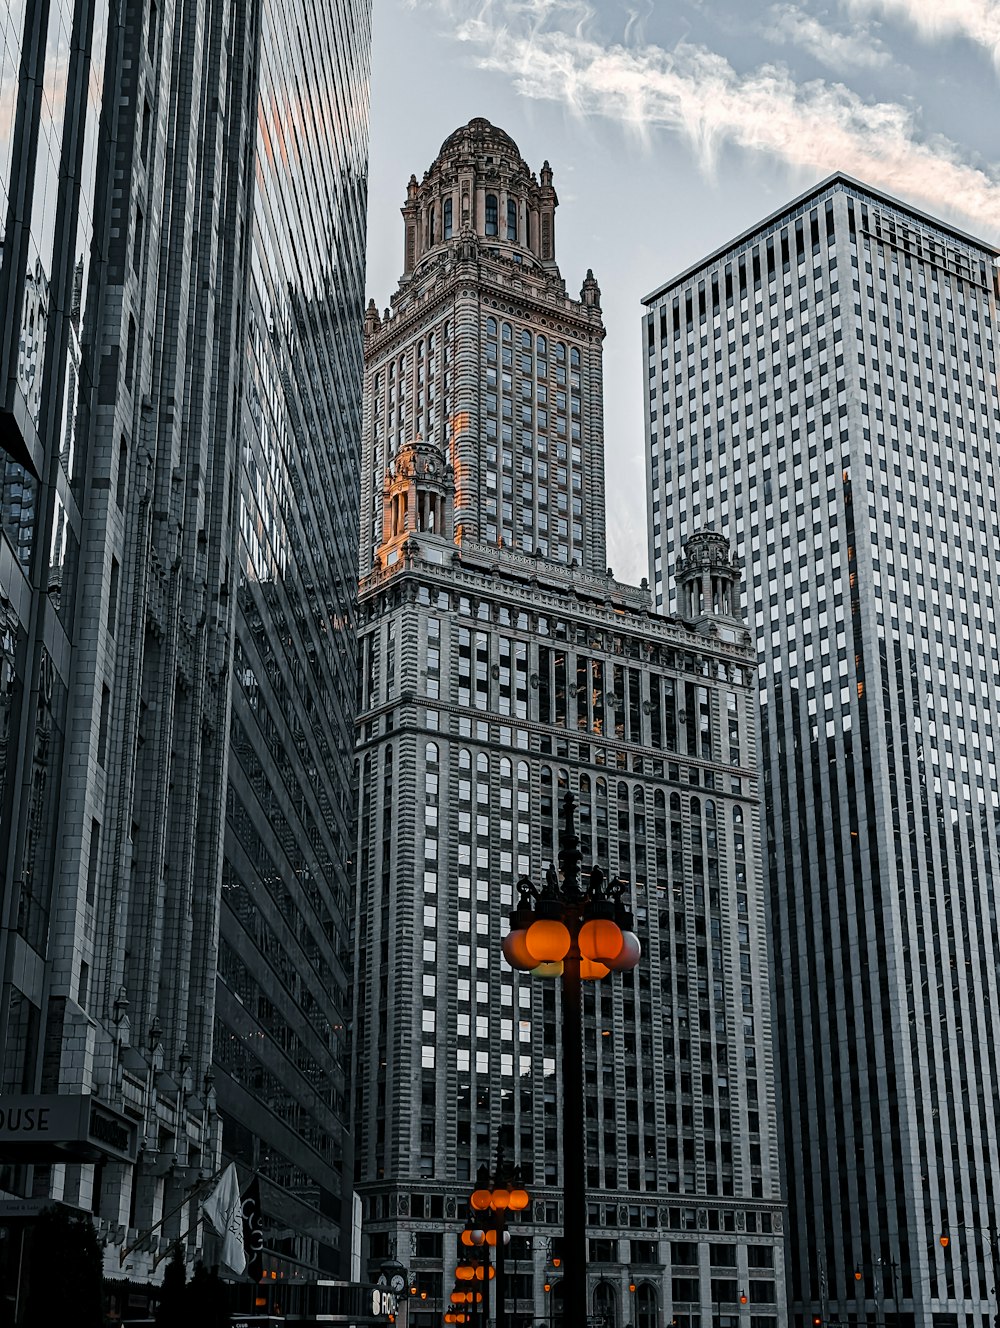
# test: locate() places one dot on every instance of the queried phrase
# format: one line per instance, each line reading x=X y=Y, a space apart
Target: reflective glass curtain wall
x=280 y=1038
x=122 y=289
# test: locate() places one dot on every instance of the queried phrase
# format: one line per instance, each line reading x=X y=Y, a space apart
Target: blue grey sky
x=672 y=126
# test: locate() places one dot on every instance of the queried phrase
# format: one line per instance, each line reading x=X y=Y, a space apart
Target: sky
x=672 y=126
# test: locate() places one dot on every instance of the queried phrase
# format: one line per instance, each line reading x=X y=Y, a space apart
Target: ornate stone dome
x=479 y=131
x=479 y=185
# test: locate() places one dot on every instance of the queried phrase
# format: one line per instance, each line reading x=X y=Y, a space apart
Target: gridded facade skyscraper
x=824 y=391
x=500 y=666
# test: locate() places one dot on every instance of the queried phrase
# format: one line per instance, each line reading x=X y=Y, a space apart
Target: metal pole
x=574 y=1192
x=501 y=1291
x=486 y=1286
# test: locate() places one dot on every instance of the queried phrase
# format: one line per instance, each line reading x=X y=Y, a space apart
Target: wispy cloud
x=977 y=20
x=698 y=94
x=840 y=51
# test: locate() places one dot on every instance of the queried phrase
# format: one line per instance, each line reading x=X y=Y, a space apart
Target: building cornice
x=548 y=587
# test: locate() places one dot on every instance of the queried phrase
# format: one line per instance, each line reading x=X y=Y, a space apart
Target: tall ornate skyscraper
x=501 y=666
x=824 y=391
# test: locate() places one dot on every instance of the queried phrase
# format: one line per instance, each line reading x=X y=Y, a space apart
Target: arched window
x=646 y=1306
x=606 y=1304
x=447 y=218
x=492 y=215
x=507 y=332
x=526 y=340
x=511 y=219
x=491 y=327
x=542 y=348
x=483 y=763
x=431 y=753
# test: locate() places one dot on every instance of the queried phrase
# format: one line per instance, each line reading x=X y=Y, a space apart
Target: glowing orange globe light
x=518 y=1200
x=500 y=1200
x=480 y=1200
x=548 y=940
x=600 y=939
x=591 y=969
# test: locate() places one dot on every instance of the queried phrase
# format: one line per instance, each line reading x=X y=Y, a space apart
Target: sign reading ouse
x=62 y=1127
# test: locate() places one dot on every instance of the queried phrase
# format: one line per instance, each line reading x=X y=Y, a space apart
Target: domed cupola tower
x=480 y=184
x=416 y=498
x=708 y=586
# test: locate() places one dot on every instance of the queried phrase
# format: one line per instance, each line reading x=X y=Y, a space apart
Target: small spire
x=590 y=292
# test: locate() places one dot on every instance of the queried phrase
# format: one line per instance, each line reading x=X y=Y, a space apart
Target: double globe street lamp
x=574 y=932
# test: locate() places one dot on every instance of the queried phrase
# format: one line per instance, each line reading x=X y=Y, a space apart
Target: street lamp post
x=576 y=932
x=493 y=1197
x=475 y=1267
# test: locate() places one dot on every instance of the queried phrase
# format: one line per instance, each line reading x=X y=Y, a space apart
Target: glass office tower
x=284 y=958
x=124 y=198
x=823 y=390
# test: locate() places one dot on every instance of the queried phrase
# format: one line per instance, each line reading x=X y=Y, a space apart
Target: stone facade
x=496 y=674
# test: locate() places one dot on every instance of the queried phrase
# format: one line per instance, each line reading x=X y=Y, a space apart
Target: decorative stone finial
x=590 y=292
